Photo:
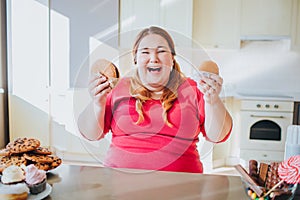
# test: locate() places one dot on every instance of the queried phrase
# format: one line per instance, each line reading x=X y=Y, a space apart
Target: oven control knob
x=276 y=106
x=267 y=106
x=258 y=105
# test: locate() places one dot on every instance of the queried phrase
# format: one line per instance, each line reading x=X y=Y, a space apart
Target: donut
x=209 y=66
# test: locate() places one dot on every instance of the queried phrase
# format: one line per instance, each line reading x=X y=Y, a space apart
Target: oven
x=263 y=127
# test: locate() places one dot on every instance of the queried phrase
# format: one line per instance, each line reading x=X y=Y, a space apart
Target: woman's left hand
x=210 y=85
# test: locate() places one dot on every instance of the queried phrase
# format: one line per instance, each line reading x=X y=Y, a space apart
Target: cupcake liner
x=37 y=188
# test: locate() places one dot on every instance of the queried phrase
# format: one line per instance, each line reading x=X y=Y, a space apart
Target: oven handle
x=267 y=116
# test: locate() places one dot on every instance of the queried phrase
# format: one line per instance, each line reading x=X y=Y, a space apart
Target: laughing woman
x=156 y=115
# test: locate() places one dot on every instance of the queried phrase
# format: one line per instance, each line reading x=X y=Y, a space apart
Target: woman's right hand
x=99 y=88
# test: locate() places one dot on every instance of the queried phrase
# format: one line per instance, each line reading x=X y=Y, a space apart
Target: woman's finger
x=213 y=81
x=99 y=88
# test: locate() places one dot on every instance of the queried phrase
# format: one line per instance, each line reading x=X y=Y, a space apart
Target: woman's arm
x=91 y=120
x=218 y=122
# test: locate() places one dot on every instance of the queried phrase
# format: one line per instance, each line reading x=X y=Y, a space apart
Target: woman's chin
x=154 y=87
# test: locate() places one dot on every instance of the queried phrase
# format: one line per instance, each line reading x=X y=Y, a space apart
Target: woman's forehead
x=153 y=41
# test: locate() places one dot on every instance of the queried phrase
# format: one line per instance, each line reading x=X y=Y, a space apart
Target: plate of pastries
x=26 y=151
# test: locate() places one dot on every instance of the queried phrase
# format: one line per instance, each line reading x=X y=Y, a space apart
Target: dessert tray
x=41 y=195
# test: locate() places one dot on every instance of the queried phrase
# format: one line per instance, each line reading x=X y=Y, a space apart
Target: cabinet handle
x=267 y=116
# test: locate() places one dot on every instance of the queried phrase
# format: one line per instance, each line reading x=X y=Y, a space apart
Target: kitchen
x=258 y=63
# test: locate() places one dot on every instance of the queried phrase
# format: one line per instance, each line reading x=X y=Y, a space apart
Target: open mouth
x=154 y=69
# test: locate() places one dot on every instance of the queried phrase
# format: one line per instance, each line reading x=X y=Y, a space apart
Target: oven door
x=264 y=130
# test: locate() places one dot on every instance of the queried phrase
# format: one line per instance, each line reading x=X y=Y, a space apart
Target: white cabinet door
x=134 y=15
x=28 y=69
x=137 y=14
x=266 y=19
x=215 y=23
x=177 y=16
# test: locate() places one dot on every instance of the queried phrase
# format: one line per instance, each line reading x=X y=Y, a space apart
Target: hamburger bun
x=209 y=66
x=107 y=69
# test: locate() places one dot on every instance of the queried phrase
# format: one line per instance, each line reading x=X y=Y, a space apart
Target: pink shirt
x=153 y=145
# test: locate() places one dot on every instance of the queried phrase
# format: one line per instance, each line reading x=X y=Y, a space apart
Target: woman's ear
x=134 y=60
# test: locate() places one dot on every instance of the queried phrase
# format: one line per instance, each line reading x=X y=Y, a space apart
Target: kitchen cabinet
x=172 y=15
x=266 y=19
x=223 y=24
x=262 y=156
x=215 y=23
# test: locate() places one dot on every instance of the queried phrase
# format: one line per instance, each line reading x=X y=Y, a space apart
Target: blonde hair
x=141 y=93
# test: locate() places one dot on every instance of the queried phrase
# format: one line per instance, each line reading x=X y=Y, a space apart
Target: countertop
x=86 y=182
x=262 y=95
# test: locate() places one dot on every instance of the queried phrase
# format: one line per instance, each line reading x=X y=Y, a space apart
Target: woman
x=156 y=115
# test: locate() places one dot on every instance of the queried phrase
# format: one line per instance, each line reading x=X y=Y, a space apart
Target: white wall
x=265 y=68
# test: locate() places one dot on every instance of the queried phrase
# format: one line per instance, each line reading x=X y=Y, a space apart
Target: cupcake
x=12 y=184
x=35 y=179
x=12 y=174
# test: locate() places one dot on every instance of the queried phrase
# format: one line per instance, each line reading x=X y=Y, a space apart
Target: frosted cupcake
x=13 y=186
x=12 y=174
x=35 y=179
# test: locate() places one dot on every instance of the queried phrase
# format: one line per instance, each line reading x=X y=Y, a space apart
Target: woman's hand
x=218 y=122
x=99 y=88
x=210 y=85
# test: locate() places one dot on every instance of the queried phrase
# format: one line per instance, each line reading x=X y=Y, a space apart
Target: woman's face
x=155 y=61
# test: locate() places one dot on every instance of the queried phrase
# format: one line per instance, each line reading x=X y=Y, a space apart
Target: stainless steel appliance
x=263 y=127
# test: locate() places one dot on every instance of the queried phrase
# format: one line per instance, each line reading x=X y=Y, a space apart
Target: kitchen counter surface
x=86 y=182
x=291 y=97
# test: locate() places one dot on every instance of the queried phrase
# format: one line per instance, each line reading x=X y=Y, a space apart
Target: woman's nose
x=153 y=58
